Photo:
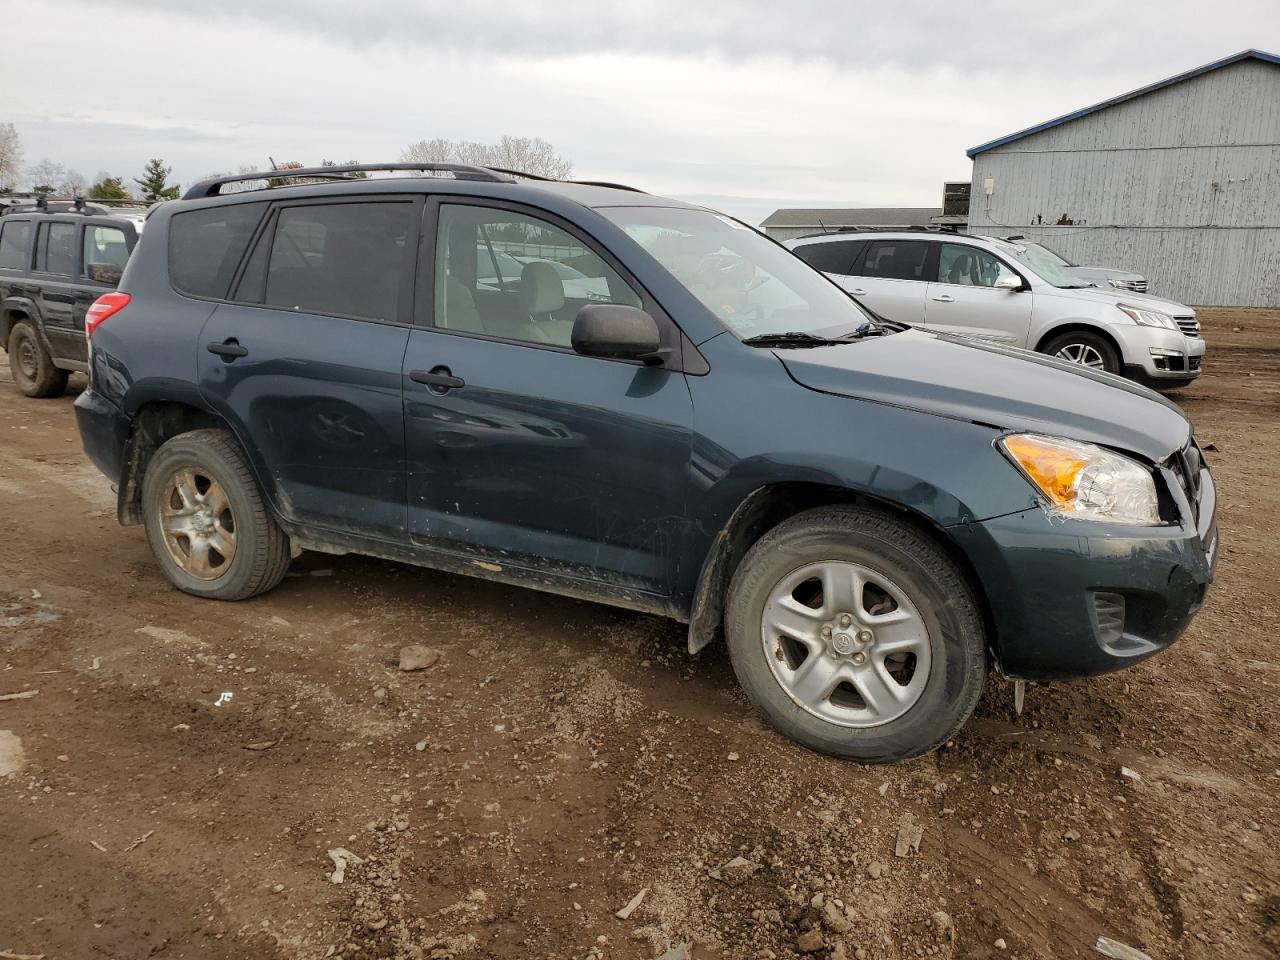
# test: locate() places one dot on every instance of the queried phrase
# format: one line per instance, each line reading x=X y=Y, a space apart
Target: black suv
x=52 y=267
x=586 y=389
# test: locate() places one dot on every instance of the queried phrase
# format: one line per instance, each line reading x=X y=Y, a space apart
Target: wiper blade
x=793 y=338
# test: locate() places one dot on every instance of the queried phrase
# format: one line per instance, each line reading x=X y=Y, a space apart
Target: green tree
x=155 y=182
x=109 y=188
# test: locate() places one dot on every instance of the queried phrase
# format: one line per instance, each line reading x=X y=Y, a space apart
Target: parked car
x=1011 y=292
x=52 y=268
x=873 y=515
x=1104 y=277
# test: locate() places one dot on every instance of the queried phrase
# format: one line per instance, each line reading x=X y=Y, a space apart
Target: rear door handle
x=858 y=292
x=944 y=298
x=228 y=349
x=437 y=379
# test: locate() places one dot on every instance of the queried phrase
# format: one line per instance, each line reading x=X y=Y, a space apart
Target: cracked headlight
x=1148 y=318
x=1085 y=481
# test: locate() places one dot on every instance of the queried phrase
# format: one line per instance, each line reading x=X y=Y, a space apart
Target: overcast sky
x=744 y=104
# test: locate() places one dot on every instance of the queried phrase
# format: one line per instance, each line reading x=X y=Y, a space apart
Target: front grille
x=1189 y=326
x=1186 y=465
x=1138 y=286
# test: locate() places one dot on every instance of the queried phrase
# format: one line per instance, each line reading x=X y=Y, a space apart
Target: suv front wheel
x=855 y=634
x=207 y=522
x=1085 y=348
x=32 y=367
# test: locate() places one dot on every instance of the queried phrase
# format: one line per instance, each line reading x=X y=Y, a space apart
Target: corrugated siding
x=1182 y=185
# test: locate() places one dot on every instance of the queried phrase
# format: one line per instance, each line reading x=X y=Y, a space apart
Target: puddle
x=12 y=759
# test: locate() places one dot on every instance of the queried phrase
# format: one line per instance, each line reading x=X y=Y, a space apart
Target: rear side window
x=343 y=259
x=15 y=244
x=106 y=251
x=56 y=248
x=205 y=247
x=830 y=256
x=896 y=259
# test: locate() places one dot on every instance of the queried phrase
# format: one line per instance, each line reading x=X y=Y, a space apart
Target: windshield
x=1043 y=262
x=752 y=285
x=1052 y=254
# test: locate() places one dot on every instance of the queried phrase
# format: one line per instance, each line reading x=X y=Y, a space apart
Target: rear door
x=962 y=298
x=305 y=357
x=55 y=276
x=891 y=277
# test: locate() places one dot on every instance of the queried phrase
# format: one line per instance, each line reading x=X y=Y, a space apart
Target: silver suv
x=1015 y=293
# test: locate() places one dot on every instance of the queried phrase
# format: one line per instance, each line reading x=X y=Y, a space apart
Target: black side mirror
x=616 y=331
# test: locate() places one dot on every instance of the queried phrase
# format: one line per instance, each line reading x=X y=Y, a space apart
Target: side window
x=106 y=251
x=343 y=259
x=205 y=246
x=896 y=259
x=56 y=248
x=517 y=277
x=15 y=244
x=962 y=264
x=830 y=256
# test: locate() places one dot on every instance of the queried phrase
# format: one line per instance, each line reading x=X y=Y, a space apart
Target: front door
x=963 y=299
x=520 y=451
x=891 y=277
x=305 y=359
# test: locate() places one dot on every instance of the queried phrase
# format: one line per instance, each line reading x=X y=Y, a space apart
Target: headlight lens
x=1148 y=318
x=1085 y=481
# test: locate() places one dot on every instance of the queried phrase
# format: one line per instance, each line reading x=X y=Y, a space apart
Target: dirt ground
x=560 y=758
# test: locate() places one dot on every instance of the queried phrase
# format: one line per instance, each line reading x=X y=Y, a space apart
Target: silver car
x=1011 y=292
x=1104 y=277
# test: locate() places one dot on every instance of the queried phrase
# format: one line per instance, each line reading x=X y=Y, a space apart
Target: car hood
x=1113 y=296
x=1004 y=387
x=1090 y=273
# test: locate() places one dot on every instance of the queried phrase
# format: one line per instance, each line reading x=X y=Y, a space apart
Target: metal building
x=1179 y=180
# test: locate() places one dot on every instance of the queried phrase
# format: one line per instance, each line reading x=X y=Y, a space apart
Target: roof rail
x=915 y=228
x=581 y=183
x=462 y=171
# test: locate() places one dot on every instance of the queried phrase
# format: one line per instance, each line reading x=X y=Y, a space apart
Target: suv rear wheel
x=856 y=634
x=1085 y=348
x=32 y=367
x=207 y=522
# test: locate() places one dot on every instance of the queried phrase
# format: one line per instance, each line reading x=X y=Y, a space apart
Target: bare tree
x=10 y=156
x=523 y=154
x=46 y=176
x=73 y=184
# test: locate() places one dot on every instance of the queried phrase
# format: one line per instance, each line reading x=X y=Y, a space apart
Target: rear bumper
x=104 y=431
x=1072 y=598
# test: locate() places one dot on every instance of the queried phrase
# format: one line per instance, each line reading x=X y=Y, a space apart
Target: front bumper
x=1072 y=598
x=1154 y=355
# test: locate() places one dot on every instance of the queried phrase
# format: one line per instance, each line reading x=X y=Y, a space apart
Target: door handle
x=437 y=379
x=858 y=292
x=228 y=349
x=945 y=298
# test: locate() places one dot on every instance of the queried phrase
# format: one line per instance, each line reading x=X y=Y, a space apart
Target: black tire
x=1083 y=341
x=261 y=555
x=32 y=367
x=931 y=580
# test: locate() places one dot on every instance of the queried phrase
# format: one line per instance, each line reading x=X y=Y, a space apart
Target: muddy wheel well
x=7 y=319
x=153 y=424
x=769 y=506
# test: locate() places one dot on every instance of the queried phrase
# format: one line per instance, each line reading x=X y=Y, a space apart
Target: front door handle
x=228 y=349
x=437 y=379
x=858 y=292
x=944 y=298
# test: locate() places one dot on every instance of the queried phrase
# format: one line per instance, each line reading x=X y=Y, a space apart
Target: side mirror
x=616 y=331
x=1011 y=282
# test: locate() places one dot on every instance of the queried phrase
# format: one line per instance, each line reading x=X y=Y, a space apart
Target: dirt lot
x=562 y=757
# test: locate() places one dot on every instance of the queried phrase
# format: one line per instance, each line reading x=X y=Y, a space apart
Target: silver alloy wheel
x=846 y=643
x=28 y=359
x=199 y=531
x=1082 y=353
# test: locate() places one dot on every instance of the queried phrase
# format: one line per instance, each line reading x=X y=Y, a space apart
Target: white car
x=1011 y=292
x=1104 y=277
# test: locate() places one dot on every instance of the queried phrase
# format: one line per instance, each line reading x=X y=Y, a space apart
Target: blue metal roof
x=1141 y=91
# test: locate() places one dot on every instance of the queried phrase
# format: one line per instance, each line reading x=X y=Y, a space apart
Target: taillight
x=105 y=306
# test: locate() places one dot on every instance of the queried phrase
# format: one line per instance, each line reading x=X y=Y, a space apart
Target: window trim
x=672 y=339
x=932 y=249
x=43 y=230
x=265 y=233
x=30 y=259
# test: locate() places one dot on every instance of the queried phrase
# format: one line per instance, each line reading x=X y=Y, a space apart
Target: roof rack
x=916 y=228
x=581 y=183
x=461 y=171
